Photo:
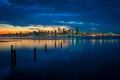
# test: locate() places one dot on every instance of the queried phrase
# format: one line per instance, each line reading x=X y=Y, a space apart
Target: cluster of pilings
x=13 y=54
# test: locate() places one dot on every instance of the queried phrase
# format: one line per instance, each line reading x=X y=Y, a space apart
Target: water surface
x=69 y=59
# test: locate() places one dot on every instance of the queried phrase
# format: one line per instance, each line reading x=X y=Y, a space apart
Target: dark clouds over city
x=100 y=15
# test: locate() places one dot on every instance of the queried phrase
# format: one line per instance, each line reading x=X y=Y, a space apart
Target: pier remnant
x=55 y=44
x=34 y=54
x=14 y=57
x=11 y=48
x=45 y=47
x=61 y=44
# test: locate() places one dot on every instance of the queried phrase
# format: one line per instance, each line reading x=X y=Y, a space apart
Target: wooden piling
x=55 y=44
x=11 y=48
x=11 y=57
x=34 y=50
x=14 y=57
x=45 y=47
x=34 y=54
x=11 y=52
x=61 y=44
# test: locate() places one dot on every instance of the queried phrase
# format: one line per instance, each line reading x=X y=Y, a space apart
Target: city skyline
x=50 y=31
x=17 y=29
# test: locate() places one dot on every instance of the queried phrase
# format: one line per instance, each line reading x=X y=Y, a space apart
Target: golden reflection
x=34 y=43
x=100 y=41
x=93 y=41
x=27 y=43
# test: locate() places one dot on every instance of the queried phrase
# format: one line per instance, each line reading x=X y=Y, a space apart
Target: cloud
x=6 y=26
x=93 y=29
x=94 y=24
x=33 y=27
x=71 y=22
x=58 y=14
x=4 y=2
x=85 y=24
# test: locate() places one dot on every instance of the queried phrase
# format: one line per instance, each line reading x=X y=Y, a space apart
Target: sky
x=88 y=15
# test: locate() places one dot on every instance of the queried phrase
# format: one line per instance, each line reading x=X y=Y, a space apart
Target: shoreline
x=4 y=41
x=59 y=38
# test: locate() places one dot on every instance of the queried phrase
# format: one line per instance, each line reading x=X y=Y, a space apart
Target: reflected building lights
x=52 y=43
x=74 y=41
x=34 y=43
x=100 y=41
x=93 y=41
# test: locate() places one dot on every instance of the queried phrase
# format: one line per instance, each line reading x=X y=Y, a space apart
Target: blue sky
x=88 y=15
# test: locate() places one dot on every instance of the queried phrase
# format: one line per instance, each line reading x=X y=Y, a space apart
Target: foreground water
x=69 y=59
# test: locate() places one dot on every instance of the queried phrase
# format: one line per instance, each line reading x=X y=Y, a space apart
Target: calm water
x=70 y=59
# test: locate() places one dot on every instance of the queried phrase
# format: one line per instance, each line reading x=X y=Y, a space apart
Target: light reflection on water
x=74 y=52
x=34 y=43
x=24 y=43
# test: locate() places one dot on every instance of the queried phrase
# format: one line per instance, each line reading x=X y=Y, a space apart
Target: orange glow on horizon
x=13 y=30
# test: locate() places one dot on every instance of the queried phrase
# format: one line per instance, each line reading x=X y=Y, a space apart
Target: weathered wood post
x=34 y=54
x=61 y=44
x=55 y=44
x=14 y=57
x=45 y=47
x=11 y=48
x=11 y=57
